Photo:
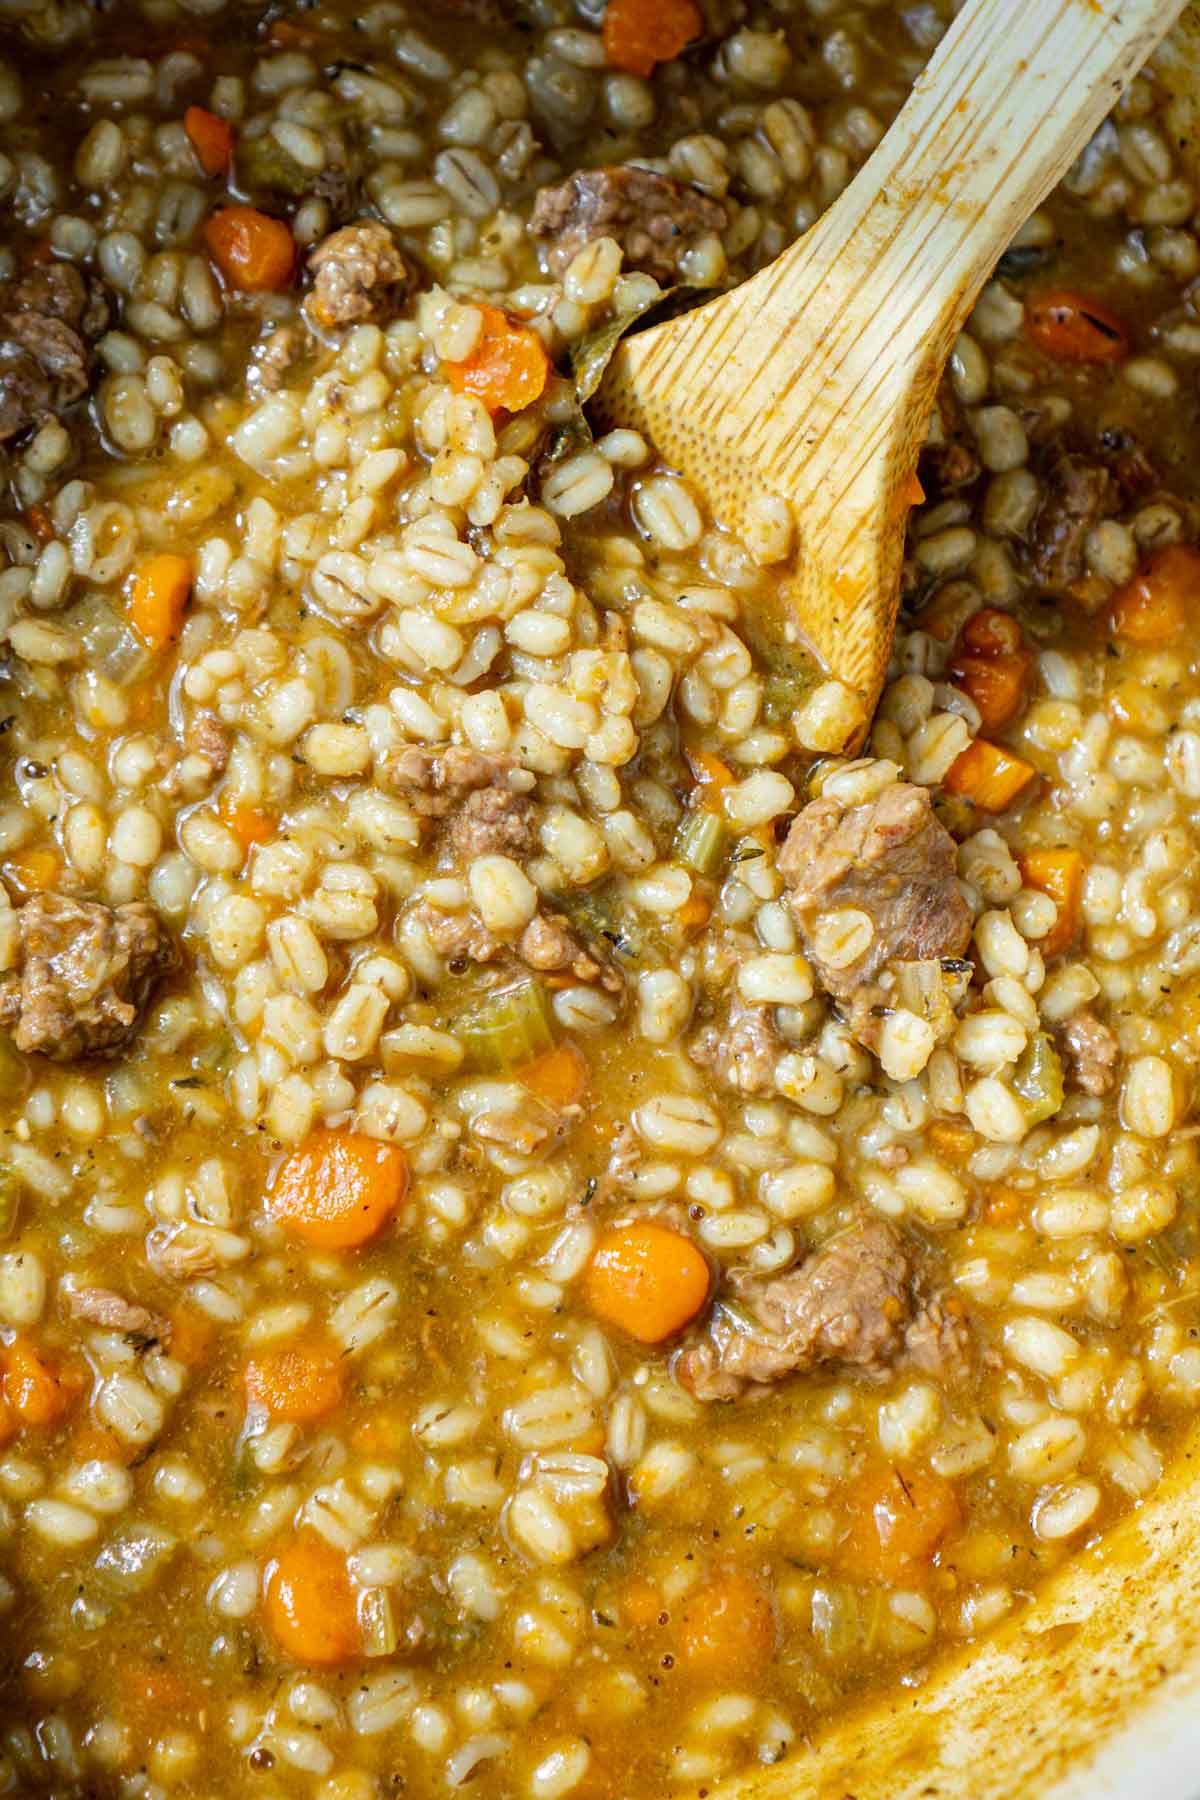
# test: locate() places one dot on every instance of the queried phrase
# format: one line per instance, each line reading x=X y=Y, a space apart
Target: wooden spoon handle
x=1013 y=92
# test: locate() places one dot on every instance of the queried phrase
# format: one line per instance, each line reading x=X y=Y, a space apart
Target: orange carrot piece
x=1071 y=328
x=1060 y=874
x=911 y=491
x=647 y=1280
x=695 y=912
x=309 y=1602
x=993 y=665
x=255 y=253
x=298 y=1382
x=989 y=775
x=638 y=34
x=338 y=1189
x=158 y=599
x=248 y=825
x=211 y=137
x=34 y=870
x=727 y=1624
x=1153 y=608
x=39 y=1391
x=1004 y=1205
x=709 y=769
x=898 y=1521
x=508 y=368
x=40 y=522
x=559 y=1076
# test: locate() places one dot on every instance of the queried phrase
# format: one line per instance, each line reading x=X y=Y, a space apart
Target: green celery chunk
x=507 y=1029
x=1038 y=1078
x=702 y=842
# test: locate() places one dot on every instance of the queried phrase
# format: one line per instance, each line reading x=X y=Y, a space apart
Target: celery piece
x=1038 y=1078
x=507 y=1029
x=702 y=842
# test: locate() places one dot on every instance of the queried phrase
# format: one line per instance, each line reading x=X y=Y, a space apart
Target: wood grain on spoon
x=813 y=381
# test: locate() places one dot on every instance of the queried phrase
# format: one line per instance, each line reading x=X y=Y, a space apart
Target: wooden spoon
x=813 y=381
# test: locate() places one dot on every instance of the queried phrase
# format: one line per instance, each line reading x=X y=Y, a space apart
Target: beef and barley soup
x=557 y=1223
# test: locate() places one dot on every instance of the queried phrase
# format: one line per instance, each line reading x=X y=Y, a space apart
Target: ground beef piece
x=206 y=737
x=278 y=355
x=84 y=975
x=359 y=273
x=100 y=1306
x=549 y=946
x=938 y=1342
x=742 y=1052
x=1091 y=1052
x=49 y=319
x=433 y=782
x=952 y=461
x=654 y=219
x=1076 y=494
x=848 y=1303
x=491 y=821
x=889 y=858
x=457 y=936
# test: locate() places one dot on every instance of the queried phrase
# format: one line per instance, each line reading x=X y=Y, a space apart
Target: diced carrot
x=159 y=597
x=40 y=522
x=647 y=1280
x=508 y=368
x=993 y=665
x=34 y=870
x=898 y=1521
x=641 y=1603
x=192 y=1336
x=988 y=775
x=1154 y=607
x=154 y=1687
x=952 y=1139
x=255 y=253
x=211 y=137
x=1072 y=328
x=559 y=1076
x=248 y=825
x=287 y=31
x=695 y=912
x=638 y=34
x=727 y=1624
x=1005 y=1204
x=338 y=1189
x=1060 y=874
x=709 y=770
x=298 y=1382
x=309 y=1602
x=912 y=493
x=39 y=1390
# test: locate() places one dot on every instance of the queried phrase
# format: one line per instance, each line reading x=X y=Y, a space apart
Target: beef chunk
x=206 y=737
x=458 y=936
x=1076 y=494
x=742 y=1052
x=654 y=219
x=889 y=858
x=434 y=782
x=84 y=975
x=49 y=319
x=359 y=273
x=491 y=821
x=278 y=355
x=549 y=946
x=952 y=461
x=849 y=1303
x=1091 y=1052
x=938 y=1342
x=100 y=1306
